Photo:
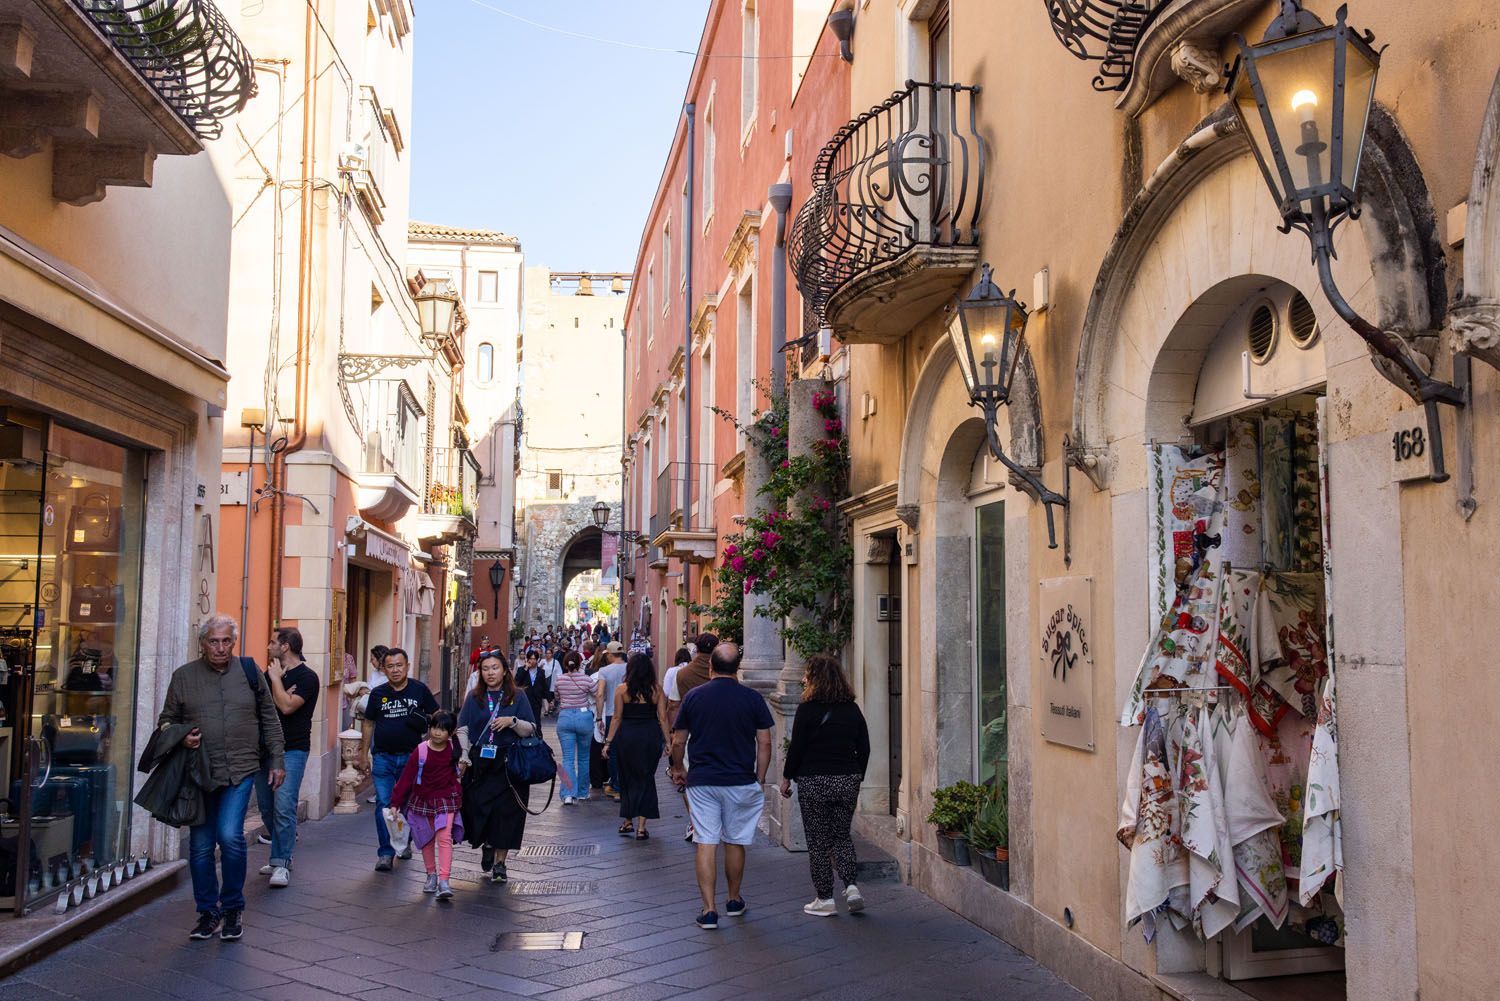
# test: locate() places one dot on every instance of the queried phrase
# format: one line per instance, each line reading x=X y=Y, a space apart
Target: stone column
x=761 y=665
x=784 y=816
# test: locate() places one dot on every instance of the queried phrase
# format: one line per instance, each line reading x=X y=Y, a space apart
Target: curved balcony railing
x=1104 y=30
x=908 y=172
x=185 y=50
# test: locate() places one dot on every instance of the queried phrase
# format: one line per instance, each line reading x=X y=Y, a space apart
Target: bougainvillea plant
x=796 y=553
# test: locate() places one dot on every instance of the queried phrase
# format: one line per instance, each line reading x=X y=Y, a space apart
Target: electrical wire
x=621 y=43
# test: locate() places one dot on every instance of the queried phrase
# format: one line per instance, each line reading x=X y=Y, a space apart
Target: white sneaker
x=688 y=834
x=431 y=886
x=267 y=869
x=281 y=876
x=853 y=899
x=821 y=908
x=567 y=801
x=444 y=891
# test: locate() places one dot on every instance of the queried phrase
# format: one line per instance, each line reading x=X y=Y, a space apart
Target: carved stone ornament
x=908 y=513
x=880 y=550
x=1476 y=329
x=1199 y=65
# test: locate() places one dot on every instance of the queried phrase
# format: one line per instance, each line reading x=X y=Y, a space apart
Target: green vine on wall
x=797 y=554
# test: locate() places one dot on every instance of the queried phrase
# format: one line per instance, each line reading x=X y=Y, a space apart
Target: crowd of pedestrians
x=230 y=727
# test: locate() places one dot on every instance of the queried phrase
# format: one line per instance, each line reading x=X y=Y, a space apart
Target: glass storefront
x=70 y=565
x=989 y=534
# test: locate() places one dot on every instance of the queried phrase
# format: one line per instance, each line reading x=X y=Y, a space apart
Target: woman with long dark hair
x=638 y=734
x=576 y=693
x=494 y=808
x=827 y=756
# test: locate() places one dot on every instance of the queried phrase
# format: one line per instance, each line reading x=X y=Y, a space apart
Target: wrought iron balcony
x=891 y=227
x=1107 y=31
x=682 y=525
x=452 y=498
x=185 y=50
x=394 y=434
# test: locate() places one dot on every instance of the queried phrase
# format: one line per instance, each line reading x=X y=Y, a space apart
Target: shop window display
x=989 y=533
x=70 y=530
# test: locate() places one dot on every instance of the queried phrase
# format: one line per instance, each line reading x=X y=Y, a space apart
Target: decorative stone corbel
x=1091 y=461
x=880 y=549
x=908 y=513
x=1476 y=329
x=1198 y=64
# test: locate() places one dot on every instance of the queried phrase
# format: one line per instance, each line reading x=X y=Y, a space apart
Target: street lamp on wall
x=1303 y=96
x=989 y=337
x=437 y=307
x=497 y=577
x=601 y=515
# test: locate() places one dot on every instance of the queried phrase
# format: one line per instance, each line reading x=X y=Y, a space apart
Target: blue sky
x=556 y=139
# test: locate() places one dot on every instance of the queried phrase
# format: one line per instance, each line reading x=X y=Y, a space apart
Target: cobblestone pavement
x=343 y=930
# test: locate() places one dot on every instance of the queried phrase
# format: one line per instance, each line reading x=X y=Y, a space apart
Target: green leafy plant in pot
x=953 y=810
x=989 y=836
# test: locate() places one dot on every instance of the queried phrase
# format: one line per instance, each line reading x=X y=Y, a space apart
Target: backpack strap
x=421 y=760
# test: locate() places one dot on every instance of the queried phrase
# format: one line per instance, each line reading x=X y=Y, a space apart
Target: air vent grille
x=1303 y=321
x=1262 y=332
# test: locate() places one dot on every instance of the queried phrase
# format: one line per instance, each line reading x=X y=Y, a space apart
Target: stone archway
x=552 y=531
x=1209 y=202
x=583 y=552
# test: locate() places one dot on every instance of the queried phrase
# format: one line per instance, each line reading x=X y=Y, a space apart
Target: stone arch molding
x=1476 y=316
x=1207 y=203
x=1024 y=415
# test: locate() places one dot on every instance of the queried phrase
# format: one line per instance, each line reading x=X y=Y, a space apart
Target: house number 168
x=1409 y=444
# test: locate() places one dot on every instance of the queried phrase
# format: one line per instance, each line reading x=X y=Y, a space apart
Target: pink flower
x=786 y=463
x=759 y=554
x=824 y=504
x=833 y=425
x=731 y=549
x=769 y=539
x=749 y=583
x=738 y=563
x=775 y=432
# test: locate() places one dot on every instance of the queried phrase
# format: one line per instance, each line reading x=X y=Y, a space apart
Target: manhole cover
x=533 y=941
x=551 y=887
x=558 y=851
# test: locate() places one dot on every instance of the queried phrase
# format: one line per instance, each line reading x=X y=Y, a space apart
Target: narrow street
x=343 y=930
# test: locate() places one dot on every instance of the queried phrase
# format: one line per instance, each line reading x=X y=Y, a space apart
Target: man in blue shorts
x=725 y=728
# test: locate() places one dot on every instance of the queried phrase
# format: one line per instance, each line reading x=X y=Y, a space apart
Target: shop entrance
x=70 y=564
x=892 y=612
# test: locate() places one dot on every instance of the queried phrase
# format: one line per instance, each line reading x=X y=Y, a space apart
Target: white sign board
x=1066 y=707
x=233 y=487
x=1411 y=449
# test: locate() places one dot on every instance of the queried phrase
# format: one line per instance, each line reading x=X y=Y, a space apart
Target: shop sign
x=233 y=487
x=1411 y=451
x=384 y=550
x=1066 y=707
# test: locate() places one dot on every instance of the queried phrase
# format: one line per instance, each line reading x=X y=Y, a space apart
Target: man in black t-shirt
x=395 y=723
x=294 y=688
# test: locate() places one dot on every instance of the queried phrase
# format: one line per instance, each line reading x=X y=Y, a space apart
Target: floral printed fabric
x=1291 y=523
x=1182 y=491
x=1290 y=628
x=1148 y=826
x=1242 y=495
x=1322 y=831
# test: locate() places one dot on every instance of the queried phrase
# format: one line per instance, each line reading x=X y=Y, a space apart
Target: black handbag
x=77 y=740
x=528 y=761
x=93 y=526
x=90 y=602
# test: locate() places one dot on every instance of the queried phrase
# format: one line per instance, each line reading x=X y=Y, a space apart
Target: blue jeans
x=278 y=810
x=224 y=827
x=385 y=769
x=575 y=728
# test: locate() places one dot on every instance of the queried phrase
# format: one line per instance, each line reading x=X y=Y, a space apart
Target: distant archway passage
x=584 y=551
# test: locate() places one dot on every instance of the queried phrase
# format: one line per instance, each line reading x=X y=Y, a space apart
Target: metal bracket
x=1463 y=378
x=1245 y=389
x=362 y=368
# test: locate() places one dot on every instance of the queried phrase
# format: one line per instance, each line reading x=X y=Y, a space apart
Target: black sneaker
x=232 y=929
x=709 y=920
x=385 y=863
x=734 y=908
x=405 y=854
x=208 y=923
x=498 y=873
x=487 y=858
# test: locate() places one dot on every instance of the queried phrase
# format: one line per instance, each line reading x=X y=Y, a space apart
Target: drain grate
x=537 y=941
x=558 y=851
x=551 y=887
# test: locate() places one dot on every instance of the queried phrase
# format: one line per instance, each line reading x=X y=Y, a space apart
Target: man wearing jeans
x=294 y=689
x=233 y=720
x=395 y=723
x=726 y=729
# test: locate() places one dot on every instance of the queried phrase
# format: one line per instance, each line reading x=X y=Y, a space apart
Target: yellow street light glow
x=1303 y=98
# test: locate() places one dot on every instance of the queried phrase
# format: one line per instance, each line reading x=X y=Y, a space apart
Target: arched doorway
x=583 y=552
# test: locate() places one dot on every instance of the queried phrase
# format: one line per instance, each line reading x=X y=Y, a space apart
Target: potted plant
x=953 y=810
x=989 y=837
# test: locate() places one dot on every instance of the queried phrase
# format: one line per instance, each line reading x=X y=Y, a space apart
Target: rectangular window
x=554 y=483
x=989 y=622
x=687 y=216
x=749 y=63
x=650 y=313
x=708 y=164
x=744 y=356
x=708 y=421
x=666 y=263
x=489 y=286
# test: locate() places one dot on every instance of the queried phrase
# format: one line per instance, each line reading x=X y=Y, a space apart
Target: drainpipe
x=304 y=306
x=687 y=349
x=624 y=474
x=780 y=196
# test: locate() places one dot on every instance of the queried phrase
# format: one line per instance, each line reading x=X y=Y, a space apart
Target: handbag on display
x=77 y=740
x=93 y=526
x=92 y=602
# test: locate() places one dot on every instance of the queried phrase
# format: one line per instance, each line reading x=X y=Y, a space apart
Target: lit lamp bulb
x=1305 y=103
x=988 y=343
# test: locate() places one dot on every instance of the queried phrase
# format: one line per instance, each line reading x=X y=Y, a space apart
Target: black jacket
x=175 y=792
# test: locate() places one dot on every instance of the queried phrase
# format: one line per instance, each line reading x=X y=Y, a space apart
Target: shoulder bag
x=529 y=761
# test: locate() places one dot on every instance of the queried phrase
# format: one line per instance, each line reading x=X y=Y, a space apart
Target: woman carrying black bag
x=494 y=808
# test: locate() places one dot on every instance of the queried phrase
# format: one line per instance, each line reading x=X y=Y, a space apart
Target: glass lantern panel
x=965 y=356
x=1298 y=88
x=1359 y=97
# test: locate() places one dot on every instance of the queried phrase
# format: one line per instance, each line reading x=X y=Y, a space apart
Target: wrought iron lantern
x=520 y=591
x=437 y=307
x=989 y=338
x=601 y=515
x=497 y=577
x=1303 y=97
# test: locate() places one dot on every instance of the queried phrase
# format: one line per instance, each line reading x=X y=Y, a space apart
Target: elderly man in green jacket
x=234 y=720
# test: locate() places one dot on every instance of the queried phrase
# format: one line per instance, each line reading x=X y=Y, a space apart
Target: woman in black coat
x=494 y=809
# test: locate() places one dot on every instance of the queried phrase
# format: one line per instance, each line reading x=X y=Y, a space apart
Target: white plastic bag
x=399 y=829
